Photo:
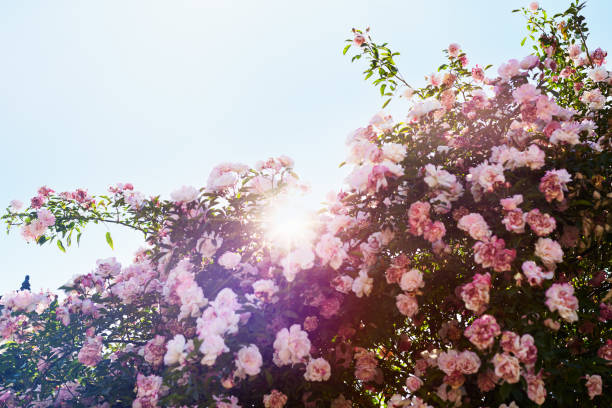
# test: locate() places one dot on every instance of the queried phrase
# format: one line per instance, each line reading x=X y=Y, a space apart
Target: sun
x=289 y=222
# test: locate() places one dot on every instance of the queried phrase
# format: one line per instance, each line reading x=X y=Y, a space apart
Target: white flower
x=185 y=194
x=318 y=369
x=249 y=360
x=175 y=350
x=229 y=260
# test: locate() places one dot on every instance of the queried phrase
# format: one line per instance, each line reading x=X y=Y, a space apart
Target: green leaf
x=61 y=246
x=523 y=42
x=346 y=49
x=109 y=240
x=386 y=103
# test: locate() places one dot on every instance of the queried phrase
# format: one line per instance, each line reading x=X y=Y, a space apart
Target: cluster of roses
x=434 y=210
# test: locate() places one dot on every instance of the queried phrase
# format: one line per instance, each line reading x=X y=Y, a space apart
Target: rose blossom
x=535 y=388
x=534 y=273
x=291 y=346
x=249 y=360
x=184 y=194
x=541 y=224
x=275 y=399
x=560 y=297
x=511 y=203
x=413 y=383
x=594 y=385
x=483 y=331
x=553 y=184
x=515 y=221
x=412 y=280
x=475 y=294
x=317 y=369
x=407 y=304
x=507 y=367
x=229 y=260
x=475 y=225
x=453 y=50
x=468 y=362
x=494 y=254
x=91 y=352
x=175 y=350
x=549 y=251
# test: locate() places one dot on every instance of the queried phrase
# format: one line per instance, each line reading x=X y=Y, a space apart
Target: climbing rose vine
x=466 y=261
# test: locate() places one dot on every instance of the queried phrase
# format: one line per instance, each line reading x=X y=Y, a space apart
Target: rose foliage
x=466 y=262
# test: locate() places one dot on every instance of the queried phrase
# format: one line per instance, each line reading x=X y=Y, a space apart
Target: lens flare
x=289 y=222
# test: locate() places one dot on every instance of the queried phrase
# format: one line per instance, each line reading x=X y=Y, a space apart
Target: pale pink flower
x=317 y=369
x=418 y=217
x=475 y=294
x=413 y=383
x=291 y=346
x=515 y=221
x=412 y=280
x=422 y=108
x=535 y=388
x=153 y=352
x=185 y=194
x=541 y=224
x=16 y=205
x=478 y=74
x=483 y=331
x=507 y=367
x=594 y=385
x=494 y=254
x=212 y=347
x=148 y=391
x=574 y=51
x=447 y=361
x=511 y=203
x=331 y=251
x=46 y=217
x=407 y=304
x=549 y=251
x=475 y=225
x=467 y=362
x=362 y=284
x=359 y=39
x=554 y=183
x=508 y=70
x=265 y=289
x=534 y=274
x=229 y=260
x=342 y=283
x=526 y=93
x=565 y=136
x=249 y=360
x=175 y=350
x=560 y=297
x=366 y=365
x=594 y=99
x=299 y=259
x=598 y=74
x=91 y=352
x=530 y=62
x=533 y=6
x=434 y=232
x=275 y=399
x=453 y=50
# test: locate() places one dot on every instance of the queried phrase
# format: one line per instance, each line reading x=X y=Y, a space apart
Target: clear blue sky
x=158 y=92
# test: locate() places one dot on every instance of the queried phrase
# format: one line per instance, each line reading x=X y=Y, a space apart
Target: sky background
x=157 y=93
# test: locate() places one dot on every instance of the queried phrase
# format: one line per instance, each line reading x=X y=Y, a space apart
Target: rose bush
x=465 y=263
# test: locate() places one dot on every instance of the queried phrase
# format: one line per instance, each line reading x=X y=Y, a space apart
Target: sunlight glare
x=289 y=222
